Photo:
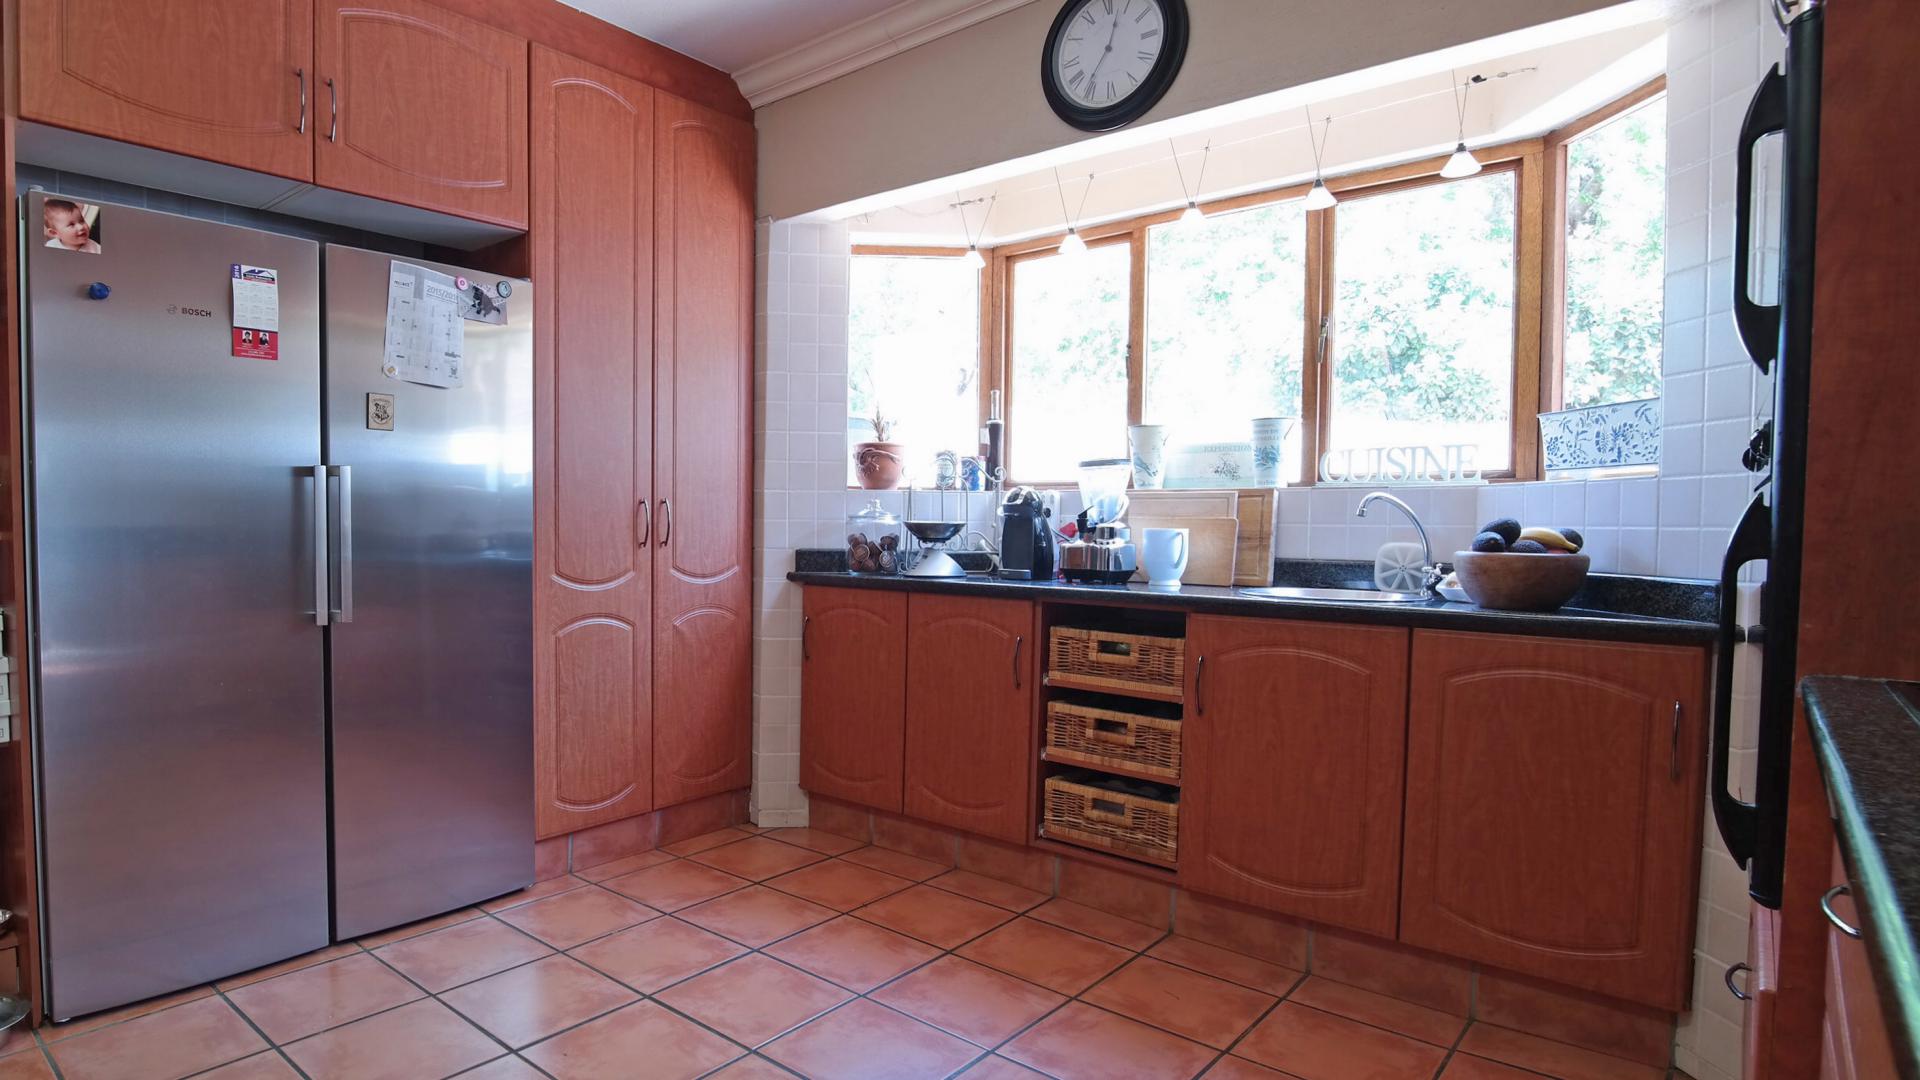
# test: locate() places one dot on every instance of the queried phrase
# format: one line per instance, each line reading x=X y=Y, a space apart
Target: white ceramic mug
x=1163 y=552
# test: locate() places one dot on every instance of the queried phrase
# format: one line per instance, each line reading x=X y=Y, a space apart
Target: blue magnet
x=99 y=290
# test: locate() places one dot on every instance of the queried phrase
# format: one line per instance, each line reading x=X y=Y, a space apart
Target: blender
x=1101 y=550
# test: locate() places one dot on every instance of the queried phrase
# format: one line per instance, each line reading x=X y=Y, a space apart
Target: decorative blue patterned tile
x=1602 y=436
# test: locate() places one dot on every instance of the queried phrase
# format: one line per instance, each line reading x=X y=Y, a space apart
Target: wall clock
x=1108 y=61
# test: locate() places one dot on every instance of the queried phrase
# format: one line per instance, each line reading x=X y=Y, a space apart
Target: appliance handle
x=1752 y=540
x=320 y=599
x=1759 y=324
x=345 y=473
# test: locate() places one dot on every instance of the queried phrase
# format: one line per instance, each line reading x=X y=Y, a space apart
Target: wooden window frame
x=1539 y=165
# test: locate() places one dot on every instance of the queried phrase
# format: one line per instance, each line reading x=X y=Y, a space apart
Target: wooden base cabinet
x=1554 y=809
x=853 y=695
x=1294 y=747
x=1854 y=1042
x=970 y=700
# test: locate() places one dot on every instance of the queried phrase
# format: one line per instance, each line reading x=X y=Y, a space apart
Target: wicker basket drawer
x=1122 y=663
x=1130 y=825
x=1107 y=738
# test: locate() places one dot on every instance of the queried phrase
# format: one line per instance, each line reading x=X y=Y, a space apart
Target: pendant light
x=1192 y=215
x=1071 y=245
x=973 y=258
x=1318 y=196
x=1462 y=163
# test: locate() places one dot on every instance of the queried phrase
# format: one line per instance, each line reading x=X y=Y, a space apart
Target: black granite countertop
x=1649 y=610
x=1866 y=733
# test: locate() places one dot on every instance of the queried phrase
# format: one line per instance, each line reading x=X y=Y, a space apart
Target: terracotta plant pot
x=878 y=465
x=1520 y=581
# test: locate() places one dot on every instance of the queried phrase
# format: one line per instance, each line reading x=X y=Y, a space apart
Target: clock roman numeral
x=1109 y=88
x=1145 y=34
x=1145 y=10
x=1146 y=55
x=1109 y=5
x=1087 y=15
x=1075 y=81
x=1132 y=80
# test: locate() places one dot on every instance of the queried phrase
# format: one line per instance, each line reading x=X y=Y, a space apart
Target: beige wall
x=973 y=99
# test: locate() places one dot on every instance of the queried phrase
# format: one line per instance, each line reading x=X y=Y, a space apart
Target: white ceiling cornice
x=872 y=39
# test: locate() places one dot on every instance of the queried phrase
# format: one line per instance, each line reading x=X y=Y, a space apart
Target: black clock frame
x=1134 y=105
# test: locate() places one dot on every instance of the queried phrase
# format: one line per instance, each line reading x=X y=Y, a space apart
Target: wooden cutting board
x=1255 y=507
x=1210 y=545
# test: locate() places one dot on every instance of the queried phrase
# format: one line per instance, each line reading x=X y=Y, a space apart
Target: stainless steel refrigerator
x=281 y=604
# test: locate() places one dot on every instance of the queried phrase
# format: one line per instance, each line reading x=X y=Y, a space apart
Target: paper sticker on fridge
x=426 y=337
x=256 y=312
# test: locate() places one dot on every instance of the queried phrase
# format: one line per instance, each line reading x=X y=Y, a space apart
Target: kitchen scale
x=933 y=535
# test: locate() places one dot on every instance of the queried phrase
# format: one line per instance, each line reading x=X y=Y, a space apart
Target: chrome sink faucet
x=1431 y=572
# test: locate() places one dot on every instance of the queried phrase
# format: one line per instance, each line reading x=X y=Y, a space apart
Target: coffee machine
x=1026 y=536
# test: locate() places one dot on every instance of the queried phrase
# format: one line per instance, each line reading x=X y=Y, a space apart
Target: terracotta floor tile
x=264 y=1066
x=704 y=841
x=96 y=1021
x=839 y=884
x=897 y=863
x=504 y=1068
x=753 y=1068
x=580 y=915
x=756 y=916
x=18 y=1038
x=757 y=858
x=536 y=891
x=446 y=958
x=825 y=843
x=863 y=1041
x=1314 y=1045
x=672 y=886
x=423 y=1039
x=934 y=916
x=1057 y=959
x=1226 y=964
x=754 y=999
x=657 y=954
x=301 y=1003
x=1091 y=921
x=988 y=890
x=857 y=955
x=1081 y=1042
x=533 y=1001
x=415 y=929
x=172 y=1042
x=976 y=1003
x=627 y=865
x=616 y=1044
x=1200 y=1007
x=1552 y=1058
x=1233 y=1068
x=1468 y=1067
x=32 y=1065
x=305 y=960
x=1418 y=1021
x=999 y=1068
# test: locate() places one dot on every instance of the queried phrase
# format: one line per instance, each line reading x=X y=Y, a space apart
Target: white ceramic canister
x=1148 y=443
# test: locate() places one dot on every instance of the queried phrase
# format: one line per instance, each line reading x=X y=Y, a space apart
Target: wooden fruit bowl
x=1520 y=581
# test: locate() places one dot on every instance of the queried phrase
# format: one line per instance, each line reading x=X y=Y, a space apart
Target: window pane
x=1068 y=401
x=1616 y=258
x=1226 y=314
x=1423 y=319
x=913 y=353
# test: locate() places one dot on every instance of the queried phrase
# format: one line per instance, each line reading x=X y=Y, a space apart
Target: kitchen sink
x=1342 y=596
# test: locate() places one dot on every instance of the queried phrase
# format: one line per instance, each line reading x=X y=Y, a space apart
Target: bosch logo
x=200 y=311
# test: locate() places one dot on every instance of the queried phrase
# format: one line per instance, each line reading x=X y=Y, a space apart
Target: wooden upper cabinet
x=417 y=105
x=853 y=695
x=592 y=255
x=1554 y=809
x=703 y=459
x=1294 y=747
x=215 y=79
x=970 y=692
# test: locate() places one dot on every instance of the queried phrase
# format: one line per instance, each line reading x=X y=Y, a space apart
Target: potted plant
x=878 y=463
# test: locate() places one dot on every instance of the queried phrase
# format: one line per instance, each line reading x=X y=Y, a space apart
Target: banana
x=1549 y=537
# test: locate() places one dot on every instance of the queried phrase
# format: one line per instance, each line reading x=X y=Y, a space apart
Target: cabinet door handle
x=1732 y=987
x=1673 y=748
x=666 y=523
x=1199 y=683
x=333 y=112
x=1826 y=908
x=643 y=523
x=805 y=621
x=1018 y=641
x=301 y=74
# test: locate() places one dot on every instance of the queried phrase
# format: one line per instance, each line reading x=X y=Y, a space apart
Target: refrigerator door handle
x=1752 y=540
x=320 y=599
x=344 y=612
x=1759 y=324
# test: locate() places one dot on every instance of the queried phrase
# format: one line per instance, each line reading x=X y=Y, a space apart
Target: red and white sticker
x=251 y=344
x=256 y=312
